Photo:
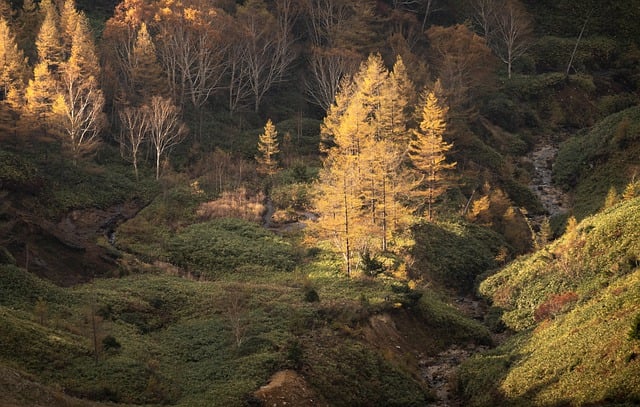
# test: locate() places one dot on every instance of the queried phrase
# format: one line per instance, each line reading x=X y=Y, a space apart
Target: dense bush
x=455 y=254
x=553 y=54
x=229 y=245
x=18 y=174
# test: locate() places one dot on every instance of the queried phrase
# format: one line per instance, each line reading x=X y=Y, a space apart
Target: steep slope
x=591 y=162
x=576 y=307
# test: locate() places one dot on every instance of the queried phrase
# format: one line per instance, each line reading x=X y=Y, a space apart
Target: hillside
x=319 y=203
x=574 y=306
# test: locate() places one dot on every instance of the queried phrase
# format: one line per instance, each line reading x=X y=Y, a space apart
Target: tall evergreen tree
x=48 y=43
x=83 y=55
x=267 y=150
x=40 y=94
x=13 y=74
x=69 y=18
x=360 y=187
x=147 y=76
x=427 y=153
x=29 y=22
x=13 y=63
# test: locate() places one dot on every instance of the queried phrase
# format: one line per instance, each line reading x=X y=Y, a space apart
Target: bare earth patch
x=288 y=388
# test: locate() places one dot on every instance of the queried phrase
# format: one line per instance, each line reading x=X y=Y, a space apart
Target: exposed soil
x=66 y=252
x=288 y=388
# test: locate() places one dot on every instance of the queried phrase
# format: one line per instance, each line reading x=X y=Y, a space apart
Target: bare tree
x=133 y=132
x=78 y=111
x=268 y=44
x=506 y=26
x=513 y=29
x=323 y=18
x=327 y=68
x=426 y=7
x=192 y=52
x=484 y=14
x=238 y=72
x=166 y=130
x=236 y=315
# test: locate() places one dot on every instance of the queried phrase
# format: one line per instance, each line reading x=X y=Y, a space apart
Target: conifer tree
x=147 y=76
x=83 y=55
x=6 y=12
x=39 y=97
x=427 y=153
x=611 y=199
x=360 y=186
x=48 y=43
x=268 y=148
x=29 y=21
x=13 y=63
x=69 y=18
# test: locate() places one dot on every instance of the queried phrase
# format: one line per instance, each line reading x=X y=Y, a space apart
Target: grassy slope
x=575 y=305
x=178 y=342
x=604 y=157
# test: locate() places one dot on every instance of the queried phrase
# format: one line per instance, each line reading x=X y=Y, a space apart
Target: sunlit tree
x=13 y=63
x=69 y=17
x=268 y=148
x=48 y=41
x=427 y=151
x=77 y=109
x=362 y=184
x=40 y=94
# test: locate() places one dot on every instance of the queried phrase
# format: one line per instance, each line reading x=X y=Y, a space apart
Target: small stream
x=553 y=199
x=439 y=370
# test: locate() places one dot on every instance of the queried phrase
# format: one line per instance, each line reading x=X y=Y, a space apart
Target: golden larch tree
x=427 y=151
x=358 y=190
x=69 y=17
x=147 y=75
x=268 y=148
x=48 y=41
x=39 y=97
x=13 y=74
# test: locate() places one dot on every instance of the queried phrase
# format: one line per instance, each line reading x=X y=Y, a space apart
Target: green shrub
x=553 y=53
x=19 y=174
x=229 y=245
x=109 y=342
x=296 y=196
x=591 y=163
x=578 y=265
x=454 y=254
